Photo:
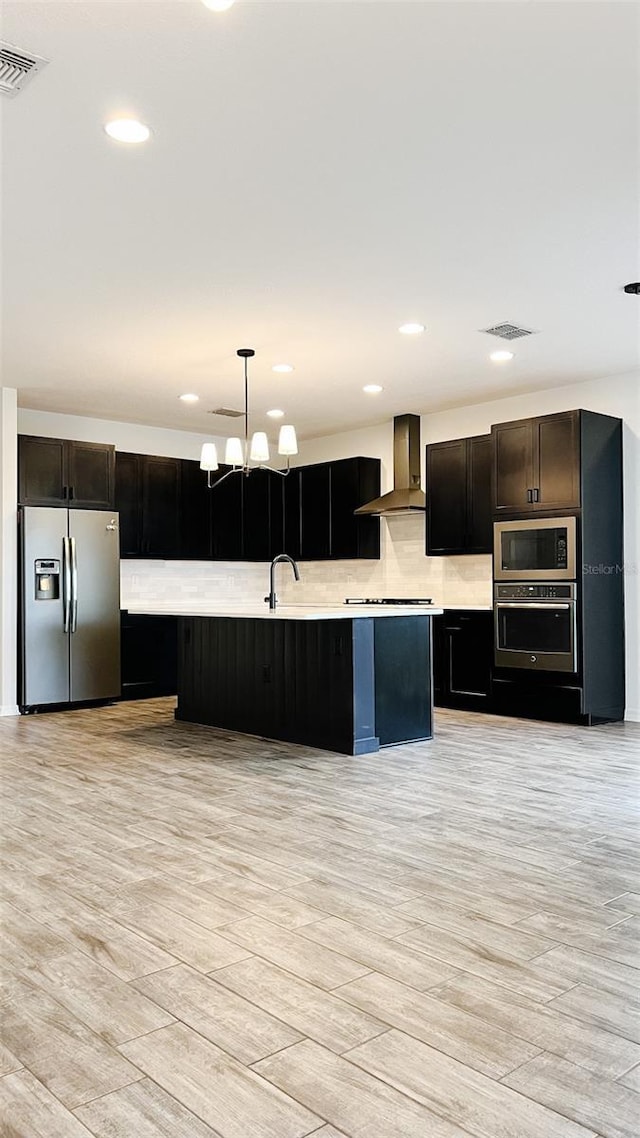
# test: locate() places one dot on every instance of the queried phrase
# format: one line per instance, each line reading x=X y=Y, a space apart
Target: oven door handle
x=531 y=605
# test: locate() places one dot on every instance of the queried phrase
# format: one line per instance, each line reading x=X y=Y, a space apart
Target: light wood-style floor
x=209 y=935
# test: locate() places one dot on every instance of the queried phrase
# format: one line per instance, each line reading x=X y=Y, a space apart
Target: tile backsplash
x=402 y=571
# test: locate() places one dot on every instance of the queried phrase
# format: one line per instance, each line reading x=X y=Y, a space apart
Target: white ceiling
x=318 y=173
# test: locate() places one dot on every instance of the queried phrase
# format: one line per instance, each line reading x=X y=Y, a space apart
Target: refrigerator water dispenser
x=47 y=580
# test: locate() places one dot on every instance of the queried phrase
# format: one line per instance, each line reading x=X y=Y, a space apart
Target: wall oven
x=536 y=626
x=538 y=549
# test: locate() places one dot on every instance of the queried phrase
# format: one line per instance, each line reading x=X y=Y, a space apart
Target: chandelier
x=239 y=453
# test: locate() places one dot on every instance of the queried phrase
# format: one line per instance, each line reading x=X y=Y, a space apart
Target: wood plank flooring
x=213 y=936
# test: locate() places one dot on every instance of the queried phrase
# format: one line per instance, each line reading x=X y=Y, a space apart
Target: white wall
x=8 y=552
x=124 y=436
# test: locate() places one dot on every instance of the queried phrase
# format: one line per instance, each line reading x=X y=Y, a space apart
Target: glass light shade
x=234 y=453
x=209 y=457
x=287 y=441
x=259 y=447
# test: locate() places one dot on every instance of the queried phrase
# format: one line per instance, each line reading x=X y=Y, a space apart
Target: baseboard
x=9 y=709
x=632 y=715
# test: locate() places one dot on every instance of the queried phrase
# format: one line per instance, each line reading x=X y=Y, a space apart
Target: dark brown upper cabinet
x=322 y=505
x=536 y=464
x=62 y=472
x=292 y=521
x=161 y=507
x=226 y=515
x=195 y=512
x=459 y=497
x=315 y=512
x=129 y=502
x=148 y=500
x=354 y=481
x=167 y=510
x=257 y=491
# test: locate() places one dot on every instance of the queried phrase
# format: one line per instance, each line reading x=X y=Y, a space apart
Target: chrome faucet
x=272 y=598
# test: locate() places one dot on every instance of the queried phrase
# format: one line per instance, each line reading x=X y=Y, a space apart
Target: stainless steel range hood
x=406 y=496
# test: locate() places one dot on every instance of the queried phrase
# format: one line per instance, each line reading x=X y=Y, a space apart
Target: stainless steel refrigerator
x=69 y=631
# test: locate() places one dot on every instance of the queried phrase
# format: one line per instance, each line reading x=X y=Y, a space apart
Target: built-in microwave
x=540 y=549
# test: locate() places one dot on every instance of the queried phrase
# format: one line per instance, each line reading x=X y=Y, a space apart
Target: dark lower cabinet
x=458 y=496
x=149 y=653
x=63 y=472
x=536 y=696
x=463 y=655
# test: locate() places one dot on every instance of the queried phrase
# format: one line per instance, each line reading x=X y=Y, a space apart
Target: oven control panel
x=523 y=592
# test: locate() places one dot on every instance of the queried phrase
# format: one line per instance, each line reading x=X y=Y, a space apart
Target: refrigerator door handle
x=74 y=584
x=66 y=583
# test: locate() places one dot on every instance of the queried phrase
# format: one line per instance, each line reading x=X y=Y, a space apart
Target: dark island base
x=351 y=685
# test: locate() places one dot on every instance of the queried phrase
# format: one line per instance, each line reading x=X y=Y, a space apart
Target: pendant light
x=239 y=452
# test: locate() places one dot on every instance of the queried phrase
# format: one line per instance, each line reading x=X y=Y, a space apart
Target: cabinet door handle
x=70 y=489
x=536 y=494
x=529 y=495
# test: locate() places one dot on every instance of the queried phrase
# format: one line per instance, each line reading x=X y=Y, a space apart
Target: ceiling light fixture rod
x=239 y=456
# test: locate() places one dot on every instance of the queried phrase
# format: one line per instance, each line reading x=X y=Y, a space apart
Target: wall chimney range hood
x=406 y=496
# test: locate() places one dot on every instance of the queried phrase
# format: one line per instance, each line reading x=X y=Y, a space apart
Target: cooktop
x=388 y=601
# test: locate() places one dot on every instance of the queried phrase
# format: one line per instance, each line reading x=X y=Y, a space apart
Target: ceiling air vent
x=226 y=411
x=17 y=68
x=508 y=331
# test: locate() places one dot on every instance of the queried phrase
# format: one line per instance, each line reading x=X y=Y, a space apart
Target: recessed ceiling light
x=188 y=398
x=127 y=130
x=372 y=388
x=218 y=5
x=501 y=356
x=275 y=414
x=282 y=367
x=411 y=329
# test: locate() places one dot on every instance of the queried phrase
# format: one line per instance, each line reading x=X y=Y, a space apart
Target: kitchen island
x=344 y=678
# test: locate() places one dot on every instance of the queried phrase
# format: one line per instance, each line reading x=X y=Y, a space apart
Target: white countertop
x=283 y=612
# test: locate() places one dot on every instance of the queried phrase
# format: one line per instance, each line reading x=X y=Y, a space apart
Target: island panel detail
x=343 y=685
